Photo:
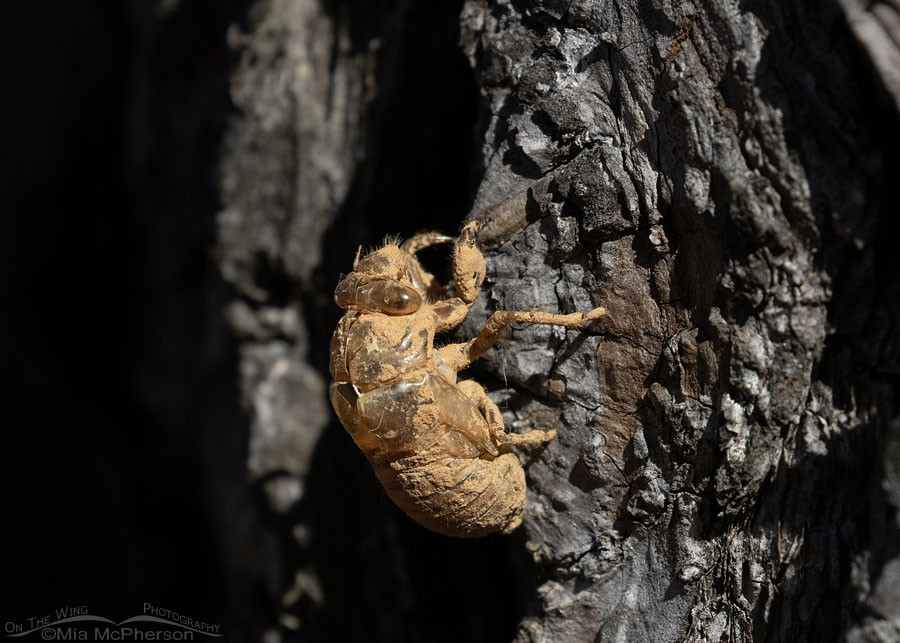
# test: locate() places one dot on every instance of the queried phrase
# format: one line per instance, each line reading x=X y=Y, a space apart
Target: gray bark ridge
x=711 y=175
x=296 y=127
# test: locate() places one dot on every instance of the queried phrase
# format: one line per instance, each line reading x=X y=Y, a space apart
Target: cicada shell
x=438 y=445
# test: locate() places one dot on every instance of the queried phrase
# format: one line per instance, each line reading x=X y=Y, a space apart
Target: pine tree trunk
x=718 y=178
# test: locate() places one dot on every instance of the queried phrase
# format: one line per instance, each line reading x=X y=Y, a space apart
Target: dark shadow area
x=421 y=162
x=124 y=443
x=383 y=576
x=125 y=460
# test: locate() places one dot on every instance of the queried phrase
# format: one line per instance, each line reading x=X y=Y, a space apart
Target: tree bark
x=716 y=183
x=718 y=178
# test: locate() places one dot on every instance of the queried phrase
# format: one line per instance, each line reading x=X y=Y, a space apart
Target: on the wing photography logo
x=76 y=623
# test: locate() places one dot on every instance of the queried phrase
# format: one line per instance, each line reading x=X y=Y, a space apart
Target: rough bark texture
x=714 y=182
x=718 y=176
x=715 y=177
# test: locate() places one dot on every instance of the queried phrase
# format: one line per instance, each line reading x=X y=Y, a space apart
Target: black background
x=125 y=439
